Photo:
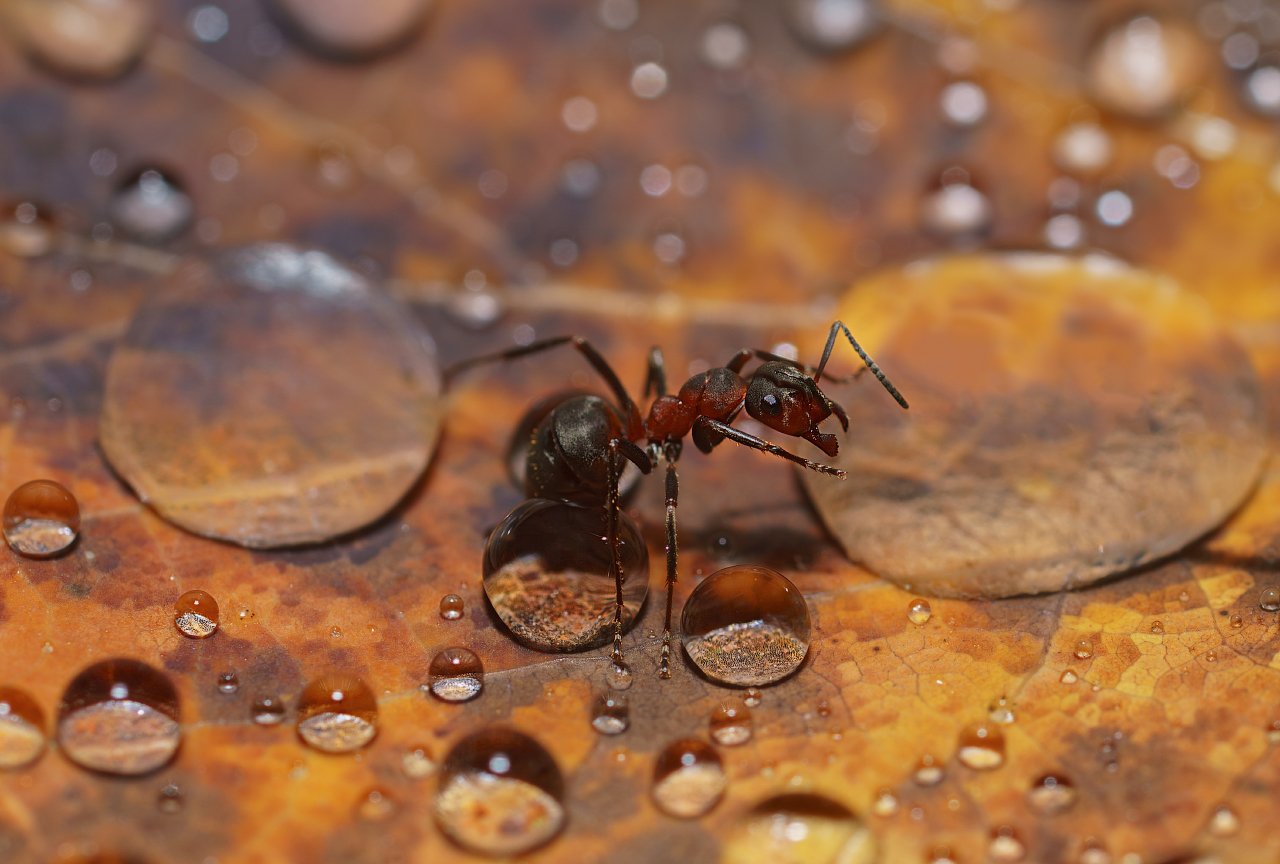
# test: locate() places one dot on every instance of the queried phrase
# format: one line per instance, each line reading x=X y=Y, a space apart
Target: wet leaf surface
x=447 y=173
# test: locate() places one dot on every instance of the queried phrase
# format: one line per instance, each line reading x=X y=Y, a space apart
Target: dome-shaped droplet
x=688 y=779
x=337 y=713
x=746 y=625
x=1052 y=793
x=981 y=747
x=500 y=793
x=195 y=614
x=451 y=607
x=833 y=25
x=120 y=717
x=1145 y=67
x=956 y=208
x=619 y=676
x=228 y=682
x=266 y=711
x=26 y=230
x=376 y=805
x=1269 y=599
x=547 y=574
x=98 y=39
x=456 y=675
x=21 y=728
x=1006 y=847
x=41 y=519
x=799 y=827
x=152 y=206
x=610 y=715
x=355 y=29
x=170 y=799
x=929 y=771
x=919 y=611
x=1084 y=649
x=730 y=724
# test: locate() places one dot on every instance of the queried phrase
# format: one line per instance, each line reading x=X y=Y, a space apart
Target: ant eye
x=769 y=403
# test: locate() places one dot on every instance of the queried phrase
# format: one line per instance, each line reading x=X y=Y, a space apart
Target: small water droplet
x=335 y=632
x=1224 y=822
x=746 y=625
x=1145 y=67
x=619 y=14
x=1084 y=649
x=245 y=614
x=1094 y=852
x=228 y=682
x=417 y=764
x=1236 y=622
x=170 y=799
x=963 y=103
x=120 y=717
x=267 y=711
x=337 y=714
x=27 y=231
x=1269 y=599
x=619 y=676
x=885 y=803
x=1157 y=628
x=451 y=607
x=981 y=747
x=21 y=728
x=152 y=206
x=752 y=697
x=1114 y=208
x=1069 y=677
x=195 y=614
x=649 y=80
x=928 y=771
x=1083 y=148
x=611 y=715
x=546 y=572
x=1006 y=847
x=688 y=779
x=956 y=208
x=456 y=675
x=500 y=793
x=731 y=724
x=41 y=519
x=376 y=805
x=1211 y=657
x=919 y=611
x=799 y=827
x=834 y=25
x=1052 y=793
x=1001 y=712
x=725 y=46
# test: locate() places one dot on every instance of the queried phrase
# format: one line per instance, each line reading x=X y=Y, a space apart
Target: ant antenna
x=837 y=327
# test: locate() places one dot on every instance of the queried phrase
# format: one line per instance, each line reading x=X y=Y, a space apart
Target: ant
x=576 y=452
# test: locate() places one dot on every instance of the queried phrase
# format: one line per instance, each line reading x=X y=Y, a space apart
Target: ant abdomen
x=567 y=458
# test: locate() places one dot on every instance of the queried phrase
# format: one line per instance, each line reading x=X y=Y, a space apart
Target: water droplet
x=41 y=519
x=196 y=614
x=151 y=206
x=1006 y=847
x=1114 y=208
x=418 y=764
x=27 y=231
x=228 y=682
x=21 y=728
x=335 y=632
x=266 y=711
x=1069 y=677
x=752 y=697
x=547 y=574
x=619 y=14
x=245 y=614
x=725 y=46
x=619 y=676
x=1236 y=622
x=1145 y=67
x=1084 y=649
x=648 y=80
x=919 y=611
x=963 y=103
x=170 y=799
x=456 y=675
x=928 y=771
x=655 y=180
x=1262 y=90
x=746 y=625
x=1269 y=599
x=611 y=715
x=731 y=724
x=451 y=607
x=1052 y=793
x=1001 y=712
x=956 y=208
x=96 y=39
x=580 y=178
x=120 y=717
x=669 y=246
x=1224 y=822
x=376 y=805
x=942 y=855
x=579 y=114
x=688 y=779
x=1094 y=853
x=355 y=32
x=797 y=827
x=833 y=25
x=885 y=803
x=1083 y=148
x=337 y=714
x=500 y=793
x=1157 y=628
x=1211 y=657
x=981 y=747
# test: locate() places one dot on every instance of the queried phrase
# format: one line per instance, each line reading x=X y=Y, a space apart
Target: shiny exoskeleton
x=577 y=448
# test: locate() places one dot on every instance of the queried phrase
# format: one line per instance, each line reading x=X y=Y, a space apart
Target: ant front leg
x=711 y=428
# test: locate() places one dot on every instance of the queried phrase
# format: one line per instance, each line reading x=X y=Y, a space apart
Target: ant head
x=787 y=400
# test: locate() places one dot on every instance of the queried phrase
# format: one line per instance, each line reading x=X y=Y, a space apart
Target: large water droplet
x=500 y=793
x=746 y=625
x=151 y=206
x=337 y=714
x=833 y=25
x=195 y=614
x=1052 y=793
x=119 y=716
x=981 y=747
x=355 y=30
x=21 y=728
x=799 y=827
x=83 y=38
x=730 y=724
x=1269 y=599
x=610 y=716
x=547 y=574
x=688 y=779
x=41 y=519
x=456 y=675
x=1145 y=67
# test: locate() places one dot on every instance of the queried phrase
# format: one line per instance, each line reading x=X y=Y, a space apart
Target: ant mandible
x=576 y=451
